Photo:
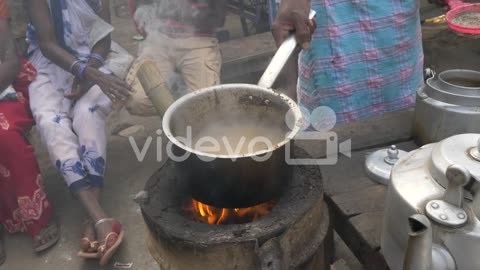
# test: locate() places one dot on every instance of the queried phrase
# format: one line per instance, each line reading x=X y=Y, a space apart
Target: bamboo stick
x=155 y=87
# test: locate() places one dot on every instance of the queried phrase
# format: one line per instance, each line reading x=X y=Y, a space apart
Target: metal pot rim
x=226 y=87
x=459 y=73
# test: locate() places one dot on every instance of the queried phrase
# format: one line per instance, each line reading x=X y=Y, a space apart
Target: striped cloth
x=366 y=58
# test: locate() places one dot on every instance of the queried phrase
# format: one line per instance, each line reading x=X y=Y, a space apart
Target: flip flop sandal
x=88 y=255
x=106 y=252
x=86 y=245
x=43 y=234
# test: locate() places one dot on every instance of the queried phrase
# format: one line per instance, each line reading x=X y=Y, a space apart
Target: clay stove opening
x=204 y=213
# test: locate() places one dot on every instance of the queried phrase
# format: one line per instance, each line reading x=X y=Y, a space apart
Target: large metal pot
x=232 y=181
x=448 y=104
x=236 y=181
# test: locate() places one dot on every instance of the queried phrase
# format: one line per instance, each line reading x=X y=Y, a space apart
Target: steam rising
x=149 y=17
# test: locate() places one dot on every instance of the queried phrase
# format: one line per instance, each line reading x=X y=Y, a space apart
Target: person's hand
x=79 y=88
x=114 y=88
x=293 y=16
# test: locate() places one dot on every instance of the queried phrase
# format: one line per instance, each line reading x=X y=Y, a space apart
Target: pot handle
x=280 y=59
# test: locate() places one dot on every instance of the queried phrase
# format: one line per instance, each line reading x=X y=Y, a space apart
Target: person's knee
x=45 y=119
x=90 y=109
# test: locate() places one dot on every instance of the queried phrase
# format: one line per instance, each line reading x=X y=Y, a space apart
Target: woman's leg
x=77 y=147
x=23 y=203
x=89 y=123
x=51 y=111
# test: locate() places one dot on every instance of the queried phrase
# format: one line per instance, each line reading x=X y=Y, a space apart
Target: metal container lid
x=462 y=150
x=459 y=87
x=379 y=164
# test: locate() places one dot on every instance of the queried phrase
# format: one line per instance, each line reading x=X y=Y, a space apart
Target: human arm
x=39 y=14
x=10 y=65
x=102 y=48
x=293 y=16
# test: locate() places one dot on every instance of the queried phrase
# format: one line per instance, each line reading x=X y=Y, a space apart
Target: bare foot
x=89 y=242
x=46 y=238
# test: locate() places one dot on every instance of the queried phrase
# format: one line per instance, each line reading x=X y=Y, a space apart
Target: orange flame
x=212 y=215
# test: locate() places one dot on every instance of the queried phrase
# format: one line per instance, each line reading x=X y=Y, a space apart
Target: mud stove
x=292 y=232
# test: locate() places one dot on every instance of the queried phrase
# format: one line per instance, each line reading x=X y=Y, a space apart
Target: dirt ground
x=126 y=176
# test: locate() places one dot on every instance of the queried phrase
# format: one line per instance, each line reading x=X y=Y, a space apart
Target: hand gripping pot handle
x=280 y=59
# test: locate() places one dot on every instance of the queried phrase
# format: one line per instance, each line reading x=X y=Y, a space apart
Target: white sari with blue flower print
x=74 y=132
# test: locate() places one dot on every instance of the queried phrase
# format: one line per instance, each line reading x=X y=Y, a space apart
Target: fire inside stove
x=223 y=216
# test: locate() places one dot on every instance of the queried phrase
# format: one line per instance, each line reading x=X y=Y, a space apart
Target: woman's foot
x=111 y=235
x=46 y=238
x=89 y=243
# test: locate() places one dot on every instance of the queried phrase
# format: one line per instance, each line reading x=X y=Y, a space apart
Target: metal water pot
x=448 y=104
x=237 y=180
x=432 y=208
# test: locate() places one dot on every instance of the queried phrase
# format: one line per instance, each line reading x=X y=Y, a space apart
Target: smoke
x=151 y=19
x=146 y=17
x=150 y=16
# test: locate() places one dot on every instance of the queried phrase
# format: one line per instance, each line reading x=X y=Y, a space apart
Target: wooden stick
x=155 y=87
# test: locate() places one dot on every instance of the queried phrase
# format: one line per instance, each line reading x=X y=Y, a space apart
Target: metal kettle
x=421 y=253
x=447 y=105
x=432 y=209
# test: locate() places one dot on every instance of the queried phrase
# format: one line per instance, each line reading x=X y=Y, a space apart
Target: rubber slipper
x=107 y=250
x=87 y=245
x=88 y=255
x=43 y=234
x=107 y=255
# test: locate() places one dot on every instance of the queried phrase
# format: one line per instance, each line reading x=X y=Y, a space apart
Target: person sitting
x=24 y=206
x=180 y=36
x=70 y=100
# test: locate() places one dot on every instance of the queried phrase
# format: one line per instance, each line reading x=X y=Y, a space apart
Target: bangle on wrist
x=81 y=70
x=72 y=66
x=97 y=57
